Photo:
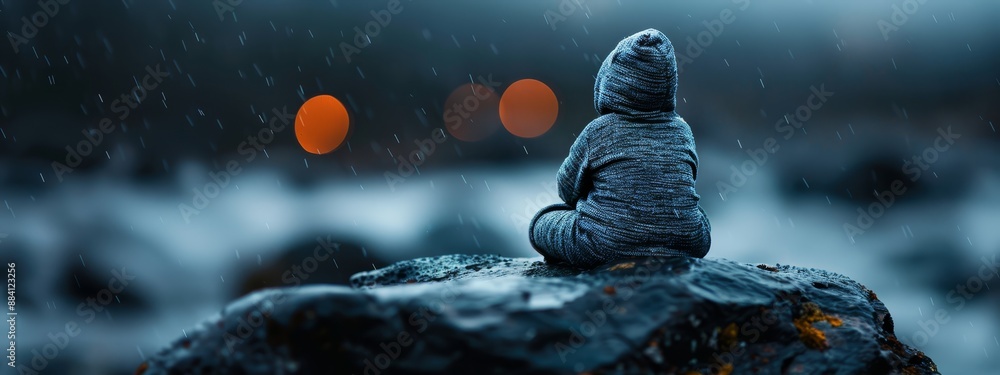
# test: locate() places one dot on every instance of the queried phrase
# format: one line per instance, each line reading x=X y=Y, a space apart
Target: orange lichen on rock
x=871 y=295
x=914 y=370
x=810 y=335
x=727 y=337
x=725 y=369
x=893 y=344
x=767 y=268
x=622 y=266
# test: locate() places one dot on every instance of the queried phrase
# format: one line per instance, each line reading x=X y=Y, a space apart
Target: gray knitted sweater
x=629 y=180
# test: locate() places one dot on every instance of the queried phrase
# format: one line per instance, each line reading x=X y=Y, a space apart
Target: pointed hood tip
x=650 y=38
x=639 y=75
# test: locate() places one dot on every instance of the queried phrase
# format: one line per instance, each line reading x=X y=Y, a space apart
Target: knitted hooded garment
x=628 y=182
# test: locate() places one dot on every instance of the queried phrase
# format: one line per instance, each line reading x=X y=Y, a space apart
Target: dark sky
x=226 y=73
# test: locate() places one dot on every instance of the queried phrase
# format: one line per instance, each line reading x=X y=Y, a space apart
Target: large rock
x=487 y=314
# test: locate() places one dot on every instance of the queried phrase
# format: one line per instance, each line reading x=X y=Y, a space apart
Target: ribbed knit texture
x=628 y=182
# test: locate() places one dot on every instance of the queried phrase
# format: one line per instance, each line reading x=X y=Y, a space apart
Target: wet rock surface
x=479 y=314
x=459 y=267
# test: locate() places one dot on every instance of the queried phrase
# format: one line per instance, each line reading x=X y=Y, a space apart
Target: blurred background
x=207 y=134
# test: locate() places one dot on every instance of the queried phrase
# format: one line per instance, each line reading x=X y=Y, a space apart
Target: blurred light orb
x=471 y=112
x=528 y=108
x=321 y=124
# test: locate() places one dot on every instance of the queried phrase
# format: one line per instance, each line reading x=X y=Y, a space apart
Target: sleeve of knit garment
x=573 y=171
x=691 y=149
x=694 y=168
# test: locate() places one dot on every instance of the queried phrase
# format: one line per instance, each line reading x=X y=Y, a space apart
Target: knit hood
x=640 y=75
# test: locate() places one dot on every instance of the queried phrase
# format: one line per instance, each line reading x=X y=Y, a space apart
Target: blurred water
x=187 y=271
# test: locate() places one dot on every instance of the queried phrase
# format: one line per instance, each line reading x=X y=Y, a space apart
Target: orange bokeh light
x=471 y=112
x=528 y=108
x=321 y=124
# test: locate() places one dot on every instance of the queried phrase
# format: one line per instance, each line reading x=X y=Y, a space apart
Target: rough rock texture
x=458 y=267
x=497 y=315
